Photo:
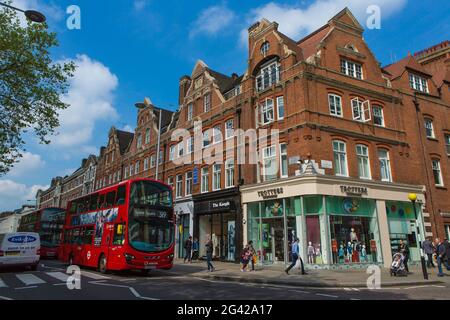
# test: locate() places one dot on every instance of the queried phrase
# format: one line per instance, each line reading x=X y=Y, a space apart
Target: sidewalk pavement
x=353 y=278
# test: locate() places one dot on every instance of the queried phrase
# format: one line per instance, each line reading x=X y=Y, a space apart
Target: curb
x=318 y=284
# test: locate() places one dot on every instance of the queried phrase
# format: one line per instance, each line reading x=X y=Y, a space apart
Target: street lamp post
x=413 y=197
x=31 y=15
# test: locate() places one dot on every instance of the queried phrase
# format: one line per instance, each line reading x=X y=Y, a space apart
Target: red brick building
x=353 y=141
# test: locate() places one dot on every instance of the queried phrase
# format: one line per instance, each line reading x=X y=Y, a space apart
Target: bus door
x=77 y=245
x=117 y=242
x=87 y=251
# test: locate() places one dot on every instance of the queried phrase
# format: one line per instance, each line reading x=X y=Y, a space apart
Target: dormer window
x=265 y=48
x=268 y=76
x=351 y=69
x=418 y=83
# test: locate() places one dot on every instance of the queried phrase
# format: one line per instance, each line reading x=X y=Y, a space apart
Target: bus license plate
x=150 y=266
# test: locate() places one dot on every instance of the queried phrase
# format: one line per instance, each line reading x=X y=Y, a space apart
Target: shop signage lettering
x=220 y=205
x=270 y=193
x=354 y=190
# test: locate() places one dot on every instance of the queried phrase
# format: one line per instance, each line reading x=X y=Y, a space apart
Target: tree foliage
x=31 y=85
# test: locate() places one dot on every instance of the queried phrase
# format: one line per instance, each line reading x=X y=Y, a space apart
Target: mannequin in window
x=310 y=253
x=341 y=254
x=364 y=254
x=318 y=254
x=215 y=244
x=349 y=252
x=353 y=236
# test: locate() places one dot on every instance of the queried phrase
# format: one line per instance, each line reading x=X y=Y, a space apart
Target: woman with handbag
x=253 y=254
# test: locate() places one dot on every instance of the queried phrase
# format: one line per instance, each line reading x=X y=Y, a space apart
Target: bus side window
x=94 y=201
x=101 y=202
x=88 y=235
x=73 y=207
x=121 y=193
x=110 y=199
x=119 y=234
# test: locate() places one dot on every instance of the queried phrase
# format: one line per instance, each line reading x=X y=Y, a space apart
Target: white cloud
x=128 y=128
x=212 y=20
x=91 y=99
x=13 y=195
x=28 y=164
x=297 y=22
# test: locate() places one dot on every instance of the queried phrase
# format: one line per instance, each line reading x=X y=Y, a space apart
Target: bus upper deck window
x=121 y=193
x=110 y=197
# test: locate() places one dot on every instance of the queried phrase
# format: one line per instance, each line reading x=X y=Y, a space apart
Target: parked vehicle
x=20 y=249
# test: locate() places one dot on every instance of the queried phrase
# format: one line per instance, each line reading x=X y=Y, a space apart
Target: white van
x=20 y=249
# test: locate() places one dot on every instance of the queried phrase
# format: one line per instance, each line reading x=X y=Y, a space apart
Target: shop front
x=184 y=222
x=340 y=223
x=218 y=218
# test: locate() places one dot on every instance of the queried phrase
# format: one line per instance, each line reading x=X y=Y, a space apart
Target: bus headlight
x=129 y=257
x=170 y=256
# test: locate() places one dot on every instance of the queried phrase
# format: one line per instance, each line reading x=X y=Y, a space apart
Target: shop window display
x=402 y=226
x=353 y=230
x=314 y=244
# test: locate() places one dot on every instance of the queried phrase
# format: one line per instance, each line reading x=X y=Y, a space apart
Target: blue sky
x=131 y=49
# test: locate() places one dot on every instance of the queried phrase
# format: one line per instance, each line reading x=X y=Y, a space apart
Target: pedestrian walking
x=440 y=255
x=209 y=255
x=245 y=258
x=188 y=249
x=253 y=254
x=403 y=248
x=195 y=249
x=447 y=254
x=428 y=247
x=295 y=256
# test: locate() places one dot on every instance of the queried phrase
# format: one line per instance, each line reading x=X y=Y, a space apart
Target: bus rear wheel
x=102 y=264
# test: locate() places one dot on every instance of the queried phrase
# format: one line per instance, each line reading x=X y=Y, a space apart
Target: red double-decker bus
x=48 y=223
x=126 y=226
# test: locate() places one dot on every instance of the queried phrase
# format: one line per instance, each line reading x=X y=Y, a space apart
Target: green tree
x=31 y=85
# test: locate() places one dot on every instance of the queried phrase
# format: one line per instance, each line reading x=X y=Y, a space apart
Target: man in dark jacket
x=447 y=253
x=188 y=249
x=440 y=253
x=428 y=248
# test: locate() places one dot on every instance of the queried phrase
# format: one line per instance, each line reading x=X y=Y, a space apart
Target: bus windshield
x=150 y=220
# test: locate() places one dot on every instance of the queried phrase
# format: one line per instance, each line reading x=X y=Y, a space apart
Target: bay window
x=268 y=76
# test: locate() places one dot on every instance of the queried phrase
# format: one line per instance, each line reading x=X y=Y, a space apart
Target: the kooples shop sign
x=223 y=205
x=270 y=193
x=353 y=190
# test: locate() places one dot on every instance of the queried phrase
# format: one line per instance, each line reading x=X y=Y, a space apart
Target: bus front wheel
x=102 y=264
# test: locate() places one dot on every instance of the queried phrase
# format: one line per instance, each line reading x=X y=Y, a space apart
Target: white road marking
x=29 y=279
x=94 y=276
x=55 y=268
x=6 y=298
x=2 y=284
x=355 y=299
x=326 y=295
x=58 y=275
x=298 y=291
x=28 y=287
x=133 y=291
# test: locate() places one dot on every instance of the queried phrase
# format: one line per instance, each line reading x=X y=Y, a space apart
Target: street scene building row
x=353 y=140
